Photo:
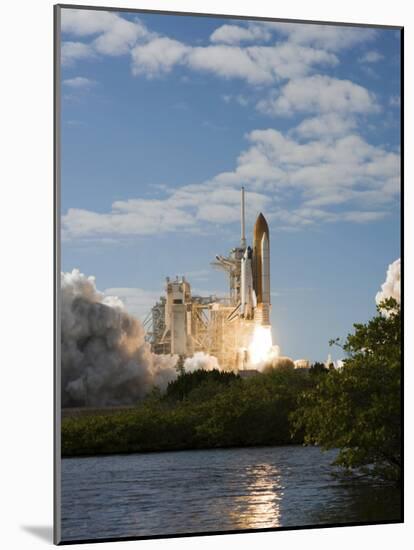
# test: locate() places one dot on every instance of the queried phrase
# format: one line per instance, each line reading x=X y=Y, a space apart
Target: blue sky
x=164 y=118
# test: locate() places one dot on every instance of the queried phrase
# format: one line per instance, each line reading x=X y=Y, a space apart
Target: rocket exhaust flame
x=261 y=349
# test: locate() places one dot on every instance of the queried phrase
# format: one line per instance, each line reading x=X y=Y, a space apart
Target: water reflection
x=259 y=506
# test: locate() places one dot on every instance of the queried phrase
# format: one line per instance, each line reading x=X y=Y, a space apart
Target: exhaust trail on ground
x=391 y=288
x=104 y=357
x=201 y=361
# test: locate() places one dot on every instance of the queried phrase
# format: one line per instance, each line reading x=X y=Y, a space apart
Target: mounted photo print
x=228 y=257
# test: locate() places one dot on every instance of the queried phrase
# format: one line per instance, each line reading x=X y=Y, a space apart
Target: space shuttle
x=249 y=272
x=255 y=271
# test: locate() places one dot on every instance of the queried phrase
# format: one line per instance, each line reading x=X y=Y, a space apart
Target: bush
x=358 y=408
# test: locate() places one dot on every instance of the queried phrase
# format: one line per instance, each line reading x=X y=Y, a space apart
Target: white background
x=26 y=289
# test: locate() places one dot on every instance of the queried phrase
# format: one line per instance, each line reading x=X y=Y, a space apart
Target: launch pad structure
x=183 y=324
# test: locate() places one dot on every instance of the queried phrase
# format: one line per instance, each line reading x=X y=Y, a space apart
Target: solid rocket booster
x=261 y=270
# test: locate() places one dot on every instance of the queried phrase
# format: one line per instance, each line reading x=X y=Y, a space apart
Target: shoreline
x=186 y=449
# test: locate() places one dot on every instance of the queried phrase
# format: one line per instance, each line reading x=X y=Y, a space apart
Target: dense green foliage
x=207 y=384
x=357 y=408
x=199 y=410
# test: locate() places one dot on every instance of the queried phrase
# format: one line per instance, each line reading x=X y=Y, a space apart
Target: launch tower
x=184 y=324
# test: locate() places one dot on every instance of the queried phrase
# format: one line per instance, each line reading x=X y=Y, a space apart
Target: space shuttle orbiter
x=255 y=271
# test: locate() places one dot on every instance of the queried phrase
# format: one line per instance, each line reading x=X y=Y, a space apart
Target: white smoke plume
x=391 y=288
x=105 y=359
x=201 y=361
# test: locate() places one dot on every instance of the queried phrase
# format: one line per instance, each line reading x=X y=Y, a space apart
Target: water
x=213 y=490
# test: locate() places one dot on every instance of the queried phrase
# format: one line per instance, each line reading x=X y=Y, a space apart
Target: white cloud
x=84 y=22
x=229 y=62
x=371 y=57
x=72 y=51
x=290 y=60
x=216 y=213
x=330 y=125
x=307 y=216
x=330 y=37
x=121 y=37
x=157 y=56
x=132 y=217
x=234 y=34
x=319 y=94
x=110 y=33
x=318 y=174
x=255 y=64
x=79 y=82
x=318 y=166
x=363 y=216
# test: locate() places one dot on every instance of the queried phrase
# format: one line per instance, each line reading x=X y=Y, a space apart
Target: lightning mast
x=243 y=222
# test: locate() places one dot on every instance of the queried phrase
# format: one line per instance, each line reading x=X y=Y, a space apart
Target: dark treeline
x=202 y=409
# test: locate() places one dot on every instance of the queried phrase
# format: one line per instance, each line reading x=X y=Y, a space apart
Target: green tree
x=187 y=382
x=357 y=408
x=318 y=368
